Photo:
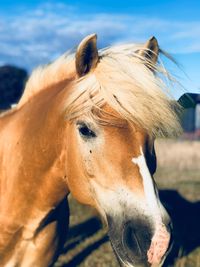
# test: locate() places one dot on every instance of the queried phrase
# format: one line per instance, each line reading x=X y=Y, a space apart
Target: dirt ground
x=178 y=178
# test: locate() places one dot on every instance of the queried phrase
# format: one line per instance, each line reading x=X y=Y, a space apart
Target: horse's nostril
x=136 y=240
x=130 y=240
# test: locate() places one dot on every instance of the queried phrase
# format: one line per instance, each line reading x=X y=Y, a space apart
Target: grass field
x=178 y=178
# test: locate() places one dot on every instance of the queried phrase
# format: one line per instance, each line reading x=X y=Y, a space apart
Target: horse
x=86 y=125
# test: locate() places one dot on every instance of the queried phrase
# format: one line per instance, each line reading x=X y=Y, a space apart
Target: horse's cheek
x=79 y=176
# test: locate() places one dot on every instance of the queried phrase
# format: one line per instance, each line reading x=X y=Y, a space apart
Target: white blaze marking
x=110 y=200
x=161 y=238
x=149 y=190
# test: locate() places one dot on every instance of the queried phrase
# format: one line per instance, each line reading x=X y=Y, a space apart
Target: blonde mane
x=48 y=76
x=125 y=80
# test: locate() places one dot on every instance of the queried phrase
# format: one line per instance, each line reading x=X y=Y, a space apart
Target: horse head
x=115 y=110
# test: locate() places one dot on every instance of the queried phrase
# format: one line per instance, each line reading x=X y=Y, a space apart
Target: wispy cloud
x=34 y=37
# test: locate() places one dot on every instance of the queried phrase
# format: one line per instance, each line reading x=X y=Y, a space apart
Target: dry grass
x=181 y=155
x=179 y=167
x=179 y=170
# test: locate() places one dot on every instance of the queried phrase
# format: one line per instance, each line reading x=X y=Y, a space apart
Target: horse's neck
x=37 y=243
x=32 y=167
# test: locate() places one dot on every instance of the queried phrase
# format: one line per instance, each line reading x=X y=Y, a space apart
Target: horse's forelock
x=125 y=81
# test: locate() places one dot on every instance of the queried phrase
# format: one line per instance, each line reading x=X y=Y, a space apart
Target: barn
x=191 y=117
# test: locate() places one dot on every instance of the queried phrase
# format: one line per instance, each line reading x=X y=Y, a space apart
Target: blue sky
x=36 y=32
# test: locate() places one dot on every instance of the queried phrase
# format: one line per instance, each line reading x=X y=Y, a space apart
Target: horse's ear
x=150 y=50
x=86 y=55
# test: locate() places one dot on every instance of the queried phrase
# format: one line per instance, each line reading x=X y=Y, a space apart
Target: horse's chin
x=124 y=260
x=126 y=246
x=131 y=242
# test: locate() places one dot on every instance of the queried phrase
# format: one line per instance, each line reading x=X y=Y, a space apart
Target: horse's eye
x=86 y=132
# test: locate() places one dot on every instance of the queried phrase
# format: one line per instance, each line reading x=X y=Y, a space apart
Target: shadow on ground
x=79 y=233
x=185 y=216
x=186 y=235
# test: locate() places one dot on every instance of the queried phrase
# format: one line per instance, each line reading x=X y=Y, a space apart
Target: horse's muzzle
x=137 y=242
